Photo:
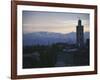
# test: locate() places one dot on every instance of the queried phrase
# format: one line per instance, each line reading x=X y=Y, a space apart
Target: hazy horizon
x=58 y=22
x=52 y=32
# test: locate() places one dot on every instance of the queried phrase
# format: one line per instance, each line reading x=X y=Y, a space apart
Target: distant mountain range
x=47 y=38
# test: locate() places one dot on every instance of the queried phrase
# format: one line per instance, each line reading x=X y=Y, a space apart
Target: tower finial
x=79 y=22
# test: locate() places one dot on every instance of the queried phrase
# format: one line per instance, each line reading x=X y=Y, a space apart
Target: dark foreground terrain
x=55 y=55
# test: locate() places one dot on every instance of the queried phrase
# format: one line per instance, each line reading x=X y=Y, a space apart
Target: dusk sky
x=60 y=22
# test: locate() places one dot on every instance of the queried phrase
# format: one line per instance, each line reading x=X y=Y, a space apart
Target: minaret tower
x=80 y=34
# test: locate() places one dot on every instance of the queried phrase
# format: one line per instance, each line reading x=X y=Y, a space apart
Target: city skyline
x=59 y=22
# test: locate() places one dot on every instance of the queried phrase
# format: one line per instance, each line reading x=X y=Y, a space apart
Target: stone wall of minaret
x=80 y=34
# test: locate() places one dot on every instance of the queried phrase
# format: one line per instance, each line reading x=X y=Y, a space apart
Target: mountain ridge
x=47 y=38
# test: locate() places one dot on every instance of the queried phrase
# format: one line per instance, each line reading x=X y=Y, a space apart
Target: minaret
x=80 y=34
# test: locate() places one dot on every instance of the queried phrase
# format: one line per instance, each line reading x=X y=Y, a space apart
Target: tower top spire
x=79 y=22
